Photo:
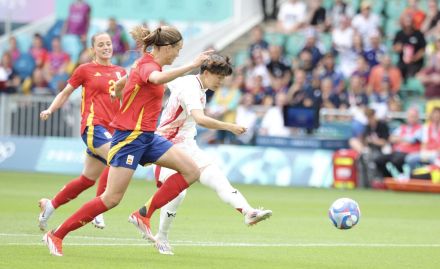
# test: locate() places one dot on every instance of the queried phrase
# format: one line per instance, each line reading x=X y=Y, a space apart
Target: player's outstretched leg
x=167 y=216
x=212 y=177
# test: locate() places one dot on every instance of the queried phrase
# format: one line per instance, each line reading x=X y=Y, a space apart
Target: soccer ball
x=344 y=213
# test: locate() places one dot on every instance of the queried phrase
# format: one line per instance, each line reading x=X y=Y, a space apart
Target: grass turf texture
x=396 y=230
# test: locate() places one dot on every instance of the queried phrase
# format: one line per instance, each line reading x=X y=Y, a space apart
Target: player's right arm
x=210 y=123
x=58 y=102
x=162 y=77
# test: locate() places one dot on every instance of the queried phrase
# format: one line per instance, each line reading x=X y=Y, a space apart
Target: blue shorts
x=94 y=137
x=130 y=148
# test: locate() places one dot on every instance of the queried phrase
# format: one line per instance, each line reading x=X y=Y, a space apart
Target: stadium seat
x=394 y=8
x=294 y=44
x=391 y=28
x=24 y=42
x=24 y=65
x=275 y=39
x=241 y=57
x=72 y=45
x=413 y=86
x=54 y=31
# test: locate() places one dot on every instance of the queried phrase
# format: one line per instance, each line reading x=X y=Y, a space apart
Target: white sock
x=167 y=216
x=48 y=210
x=212 y=177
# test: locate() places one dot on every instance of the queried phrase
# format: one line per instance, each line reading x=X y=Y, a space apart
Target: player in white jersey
x=182 y=113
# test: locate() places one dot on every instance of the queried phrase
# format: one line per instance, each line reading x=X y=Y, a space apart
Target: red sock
x=102 y=183
x=71 y=190
x=174 y=185
x=81 y=217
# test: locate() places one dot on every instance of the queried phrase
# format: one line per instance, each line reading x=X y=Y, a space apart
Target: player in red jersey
x=134 y=141
x=98 y=78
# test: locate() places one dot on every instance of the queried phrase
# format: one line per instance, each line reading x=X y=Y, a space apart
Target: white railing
x=19 y=116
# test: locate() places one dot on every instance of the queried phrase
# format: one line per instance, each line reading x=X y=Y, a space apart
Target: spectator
x=329 y=71
x=357 y=94
x=304 y=62
x=78 y=20
x=410 y=44
x=272 y=13
x=379 y=100
x=257 y=90
x=310 y=45
x=432 y=18
x=38 y=52
x=272 y=123
x=57 y=61
x=371 y=144
x=362 y=70
x=430 y=77
x=119 y=39
x=39 y=84
x=342 y=35
x=257 y=68
x=330 y=98
x=84 y=57
x=246 y=117
x=366 y=23
x=376 y=50
x=405 y=140
x=292 y=16
x=9 y=80
x=257 y=41
x=382 y=71
x=224 y=104
x=13 y=49
x=348 y=58
x=340 y=10
x=316 y=15
x=277 y=68
x=299 y=92
x=430 y=149
x=415 y=13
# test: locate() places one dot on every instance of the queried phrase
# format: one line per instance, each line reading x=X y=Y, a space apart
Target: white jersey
x=176 y=123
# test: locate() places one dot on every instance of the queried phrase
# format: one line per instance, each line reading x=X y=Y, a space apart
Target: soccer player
x=134 y=141
x=178 y=124
x=98 y=78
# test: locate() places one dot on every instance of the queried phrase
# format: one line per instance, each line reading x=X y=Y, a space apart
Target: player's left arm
x=210 y=123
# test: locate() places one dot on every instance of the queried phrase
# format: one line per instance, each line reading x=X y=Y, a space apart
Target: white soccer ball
x=344 y=213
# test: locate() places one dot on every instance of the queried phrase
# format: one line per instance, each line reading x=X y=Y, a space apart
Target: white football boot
x=254 y=216
x=98 y=221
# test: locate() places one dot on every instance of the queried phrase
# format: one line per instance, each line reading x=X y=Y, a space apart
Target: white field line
x=120 y=242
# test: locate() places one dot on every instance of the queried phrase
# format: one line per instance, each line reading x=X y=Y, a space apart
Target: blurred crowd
x=52 y=56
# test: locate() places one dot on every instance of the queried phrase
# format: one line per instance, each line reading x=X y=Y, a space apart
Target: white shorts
x=192 y=149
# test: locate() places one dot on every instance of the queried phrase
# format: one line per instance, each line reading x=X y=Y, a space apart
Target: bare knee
x=112 y=200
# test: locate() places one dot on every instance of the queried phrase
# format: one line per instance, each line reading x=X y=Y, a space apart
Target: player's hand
x=44 y=115
x=237 y=129
x=202 y=57
x=113 y=96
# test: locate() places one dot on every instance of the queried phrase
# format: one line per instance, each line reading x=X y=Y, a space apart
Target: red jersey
x=97 y=80
x=142 y=100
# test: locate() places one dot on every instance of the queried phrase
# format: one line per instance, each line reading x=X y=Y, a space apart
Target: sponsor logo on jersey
x=97 y=74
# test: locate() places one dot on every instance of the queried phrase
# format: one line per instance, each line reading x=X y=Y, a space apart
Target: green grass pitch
x=396 y=230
